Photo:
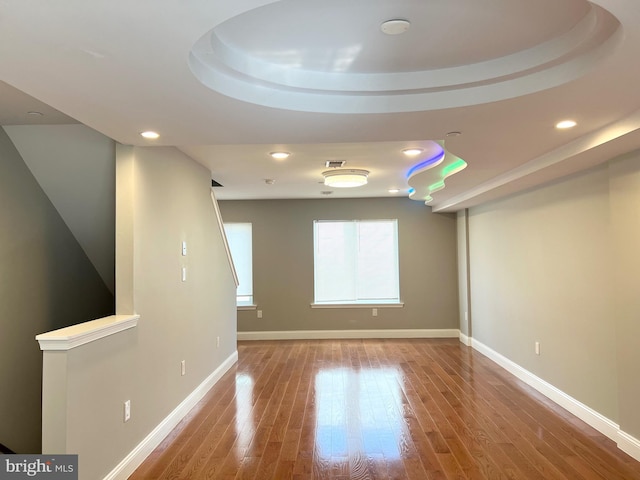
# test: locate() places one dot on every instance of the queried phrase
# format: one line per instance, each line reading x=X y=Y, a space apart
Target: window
x=356 y=262
x=239 y=238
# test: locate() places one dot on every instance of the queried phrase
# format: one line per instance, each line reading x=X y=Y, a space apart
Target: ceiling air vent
x=335 y=163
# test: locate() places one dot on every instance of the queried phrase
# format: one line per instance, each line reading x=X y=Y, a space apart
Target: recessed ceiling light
x=393 y=190
x=35 y=114
x=566 y=124
x=280 y=155
x=454 y=134
x=150 y=135
x=395 y=27
x=269 y=181
x=412 y=152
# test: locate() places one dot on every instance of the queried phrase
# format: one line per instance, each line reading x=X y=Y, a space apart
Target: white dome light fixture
x=345 y=177
x=396 y=26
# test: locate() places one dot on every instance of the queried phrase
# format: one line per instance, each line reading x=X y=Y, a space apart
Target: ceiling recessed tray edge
x=554 y=62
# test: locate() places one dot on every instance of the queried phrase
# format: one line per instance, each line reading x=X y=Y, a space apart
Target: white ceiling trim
x=567 y=153
x=554 y=62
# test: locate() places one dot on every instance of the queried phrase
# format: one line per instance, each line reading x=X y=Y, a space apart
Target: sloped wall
x=75 y=166
x=46 y=282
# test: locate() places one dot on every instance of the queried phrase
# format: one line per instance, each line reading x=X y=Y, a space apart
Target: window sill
x=246 y=307
x=358 y=305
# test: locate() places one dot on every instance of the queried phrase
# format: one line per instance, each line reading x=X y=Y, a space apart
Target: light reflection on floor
x=358 y=413
x=245 y=423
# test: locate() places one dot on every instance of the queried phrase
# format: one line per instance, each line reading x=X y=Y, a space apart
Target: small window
x=356 y=261
x=239 y=239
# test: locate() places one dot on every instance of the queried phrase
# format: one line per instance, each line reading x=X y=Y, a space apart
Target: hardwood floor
x=379 y=409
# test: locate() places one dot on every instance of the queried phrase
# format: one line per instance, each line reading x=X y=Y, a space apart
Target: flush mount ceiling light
x=395 y=27
x=563 y=125
x=280 y=155
x=150 y=135
x=345 y=177
x=412 y=152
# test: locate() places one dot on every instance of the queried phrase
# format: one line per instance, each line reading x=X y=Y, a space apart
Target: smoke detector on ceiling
x=395 y=27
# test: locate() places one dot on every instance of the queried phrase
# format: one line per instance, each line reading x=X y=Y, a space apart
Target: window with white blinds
x=240 y=244
x=356 y=261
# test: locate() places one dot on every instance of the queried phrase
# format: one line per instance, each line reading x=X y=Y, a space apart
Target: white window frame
x=354 y=302
x=243 y=265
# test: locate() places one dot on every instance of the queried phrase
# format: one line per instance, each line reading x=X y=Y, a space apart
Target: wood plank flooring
x=379 y=409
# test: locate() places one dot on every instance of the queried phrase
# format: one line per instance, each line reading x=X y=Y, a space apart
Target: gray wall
x=75 y=166
x=464 y=308
x=624 y=183
x=46 y=282
x=283 y=264
x=559 y=265
x=163 y=198
x=540 y=271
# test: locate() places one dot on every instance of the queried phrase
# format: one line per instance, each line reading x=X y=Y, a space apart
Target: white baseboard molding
x=580 y=410
x=628 y=444
x=135 y=458
x=346 y=334
x=465 y=339
x=625 y=442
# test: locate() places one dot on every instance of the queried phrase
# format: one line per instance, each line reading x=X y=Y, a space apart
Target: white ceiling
x=228 y=82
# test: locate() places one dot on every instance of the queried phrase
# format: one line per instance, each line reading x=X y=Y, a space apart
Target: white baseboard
x=346 y=334
x=628 y=444
x=135 y=458
x=625 y=442
x=580 y=410
x=465 y=339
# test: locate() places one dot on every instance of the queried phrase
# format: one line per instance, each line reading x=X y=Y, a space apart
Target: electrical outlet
x=184 y=274
x=374 y=312
x=127 y=410
x=183 y=367
x=259 y=313
x=537 y=347
x=218 y=342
